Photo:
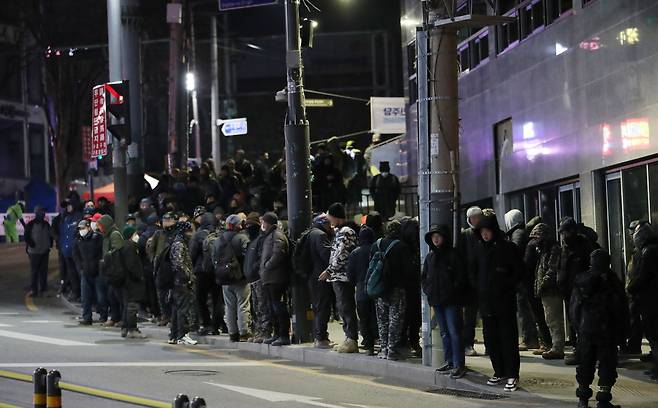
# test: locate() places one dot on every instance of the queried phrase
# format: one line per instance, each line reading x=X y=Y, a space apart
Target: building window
x=473 y=52
x=556 y=8
x=653 y=193
x=508 y=34
x=532 y=17
x=506 y=5
x=12 y=159
x=464 y=59
x=615 y=224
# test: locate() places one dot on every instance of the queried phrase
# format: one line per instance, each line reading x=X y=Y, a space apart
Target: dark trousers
x=346 y=305
x=470 y=313
x=130 y=309
x=205 y=285
x=322 y=296
x=450 y=327
x=367 y=322
x=501 y=337
x=182 y=299
x=525 y=316
x=590 y=352
x=636 y=329
x=650 y=325
x=277 y=293
x=163 y=299
x=38 y=273
x=115 y=300
x=64 y=285
x=73 y=276
x=413 y=318
x=93 y=292
x=151 y=300
x=543 y=331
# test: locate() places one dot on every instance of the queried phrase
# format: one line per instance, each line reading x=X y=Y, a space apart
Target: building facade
x=559 y=113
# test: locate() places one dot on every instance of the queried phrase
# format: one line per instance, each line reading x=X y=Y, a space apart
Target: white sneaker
x=512 y=384
x=187 y=340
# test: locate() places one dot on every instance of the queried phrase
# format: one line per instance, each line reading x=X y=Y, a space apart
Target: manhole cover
x=192 y=373
x=467 y=394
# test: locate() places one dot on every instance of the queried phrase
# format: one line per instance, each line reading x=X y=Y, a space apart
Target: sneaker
x=322 y=344
x=493 y=381
x=348 y=346
x=171 y=341
x=445 y=369
x=553 y=355
x=110 y=323
x=470 y=351
x=136 y=334
x=203 y=331
x=187 y=340
x=234 y=338
x=271 y=340
x=458 y=373
x=85 y=322
x=512 y=384
x=281 y=341
x=124 y=332
x=383 y=354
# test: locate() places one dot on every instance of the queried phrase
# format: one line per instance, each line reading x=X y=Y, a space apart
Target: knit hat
x=270 y=218
x=131 y=217
x=384 y=167
x=233 y=220
x=128 y=231
x=568 y=224
x=199 y=211
x=321 y=220
x=337 y=210
x=253 y=219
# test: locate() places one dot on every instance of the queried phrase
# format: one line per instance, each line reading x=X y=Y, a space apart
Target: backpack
x=302 y=262
x=227 y=268
x=251 y=267
x=208 y=243
x=376 y=282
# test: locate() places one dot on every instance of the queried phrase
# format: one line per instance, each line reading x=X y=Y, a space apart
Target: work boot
x=322 y=344
x=348 y=346
x=271 y=340
x=553 y=355
x=234 y=337
x=281 y=341
x=603 y=398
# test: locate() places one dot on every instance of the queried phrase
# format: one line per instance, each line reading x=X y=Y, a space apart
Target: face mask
x=94 y=226
x=135 y=238
x=385 y=174
x=84 y=232
x=262 y=227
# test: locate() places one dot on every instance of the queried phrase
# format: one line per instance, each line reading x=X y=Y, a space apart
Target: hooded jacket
x=574 y=259
x=196 y=242
x=642 y=284
x=274 y=265
x=397 y=260
x=497 y=269
x=87 y=254
x=516 y=230
x=342 y=245
x=177 y=264
x=542 y=258
x=38 y=236
x=443 y=277
x=320 y=245
x=359 y=261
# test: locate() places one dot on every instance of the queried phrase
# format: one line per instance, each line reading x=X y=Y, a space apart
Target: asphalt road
x=46 y=334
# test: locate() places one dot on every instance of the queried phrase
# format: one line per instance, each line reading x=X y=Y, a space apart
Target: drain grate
x=193 y=373
x=467 y=394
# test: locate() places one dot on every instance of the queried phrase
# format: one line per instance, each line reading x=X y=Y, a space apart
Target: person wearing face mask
x=87 y=253
x=385 y=190
x=39 y=240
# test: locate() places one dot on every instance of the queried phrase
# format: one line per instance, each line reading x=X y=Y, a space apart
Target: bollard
x=54 y=393
x=39 y=379
x=198 y=402
x=181 y=401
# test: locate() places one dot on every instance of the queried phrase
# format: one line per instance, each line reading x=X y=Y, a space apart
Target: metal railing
x=407 y=203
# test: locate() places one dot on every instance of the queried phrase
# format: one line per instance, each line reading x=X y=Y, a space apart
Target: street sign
x=319 y=103
x=98 y=122
x=239 y=4
x=85 y=135
x=233 y=127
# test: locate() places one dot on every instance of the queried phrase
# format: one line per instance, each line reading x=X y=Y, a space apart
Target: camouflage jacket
x=341 y=247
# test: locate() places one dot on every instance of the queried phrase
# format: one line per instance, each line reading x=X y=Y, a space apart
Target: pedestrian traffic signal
x=117 y=95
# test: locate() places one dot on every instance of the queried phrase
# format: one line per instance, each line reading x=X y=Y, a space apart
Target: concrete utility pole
x=114 y=34
x=175 y=20
x=298 y=174
x=214 y=93
x=194 y=123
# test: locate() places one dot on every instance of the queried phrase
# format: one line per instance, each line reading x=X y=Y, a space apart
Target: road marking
x=5 y=405
x=9 y=313
x=42 y=339
x=5 y=325
x=274 y=396
x=137 y=364
x=29 y=303
x=41 y=321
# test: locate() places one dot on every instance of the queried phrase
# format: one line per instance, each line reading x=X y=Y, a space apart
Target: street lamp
x=190 y=81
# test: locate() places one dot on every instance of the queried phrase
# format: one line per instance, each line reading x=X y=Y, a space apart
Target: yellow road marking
x=5 y=405
x=146 y=402
x=29 y=303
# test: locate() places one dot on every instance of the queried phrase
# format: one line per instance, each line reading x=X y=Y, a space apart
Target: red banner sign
x=85 y=134
x=99 y=123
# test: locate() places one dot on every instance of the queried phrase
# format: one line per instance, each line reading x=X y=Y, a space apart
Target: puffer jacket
x=320 y=245
x=542 y=258
x=87 y=254
x=274 y=262
x=443 y=278
x=196 y=242
x=342 y=245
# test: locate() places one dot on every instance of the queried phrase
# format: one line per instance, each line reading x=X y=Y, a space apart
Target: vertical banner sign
x=388 y=115
x=98 y=122
x=85 y=134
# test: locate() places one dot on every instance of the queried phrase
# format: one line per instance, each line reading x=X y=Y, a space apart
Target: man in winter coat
x=642 y=286
x=14 y=215
x=132 y=289
x=151 y=298
x=468 y=242
x=598 y=312
x=112 y=241
x=517 y=233
x=39 y=240
x=342 y=245
x=68 y=234
x=260 y=301
x=228 y=256
x=443 y=279
x=392 y=305
x=357 y=270
x=385 y=190
x=87 y=253
x=205 y=279
x=155 y=247
x=275 y=276
x=574 y=260
x=319 y=241
x=542 y=257
x=498 y=270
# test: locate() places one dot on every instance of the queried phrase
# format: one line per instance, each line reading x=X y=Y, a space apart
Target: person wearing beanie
x=385 y=191
x=319 y=241
x=497 y=271
x=344 y=241
x=468 y=242
x=87 y=254
x=375 y=222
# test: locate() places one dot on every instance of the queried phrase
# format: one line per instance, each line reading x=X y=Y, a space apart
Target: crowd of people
x=208 y=253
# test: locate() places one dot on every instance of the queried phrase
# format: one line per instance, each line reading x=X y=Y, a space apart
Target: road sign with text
x=234 y=127
x=239 y=4
x=98 y=122
x=319 y=103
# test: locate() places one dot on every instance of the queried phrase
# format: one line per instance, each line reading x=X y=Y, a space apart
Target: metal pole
x=227 y=112
x=214 y=93
x=53 y=392
x=298 y=177
x=195 y=104
x=175 y=37
x=118 y=149
x=39 y=379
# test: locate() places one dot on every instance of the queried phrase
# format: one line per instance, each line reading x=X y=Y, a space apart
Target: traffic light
x=117 y=95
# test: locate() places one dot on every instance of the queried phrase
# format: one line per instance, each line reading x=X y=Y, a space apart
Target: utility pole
x=194 y=123
x=214 y=93
x=114 y=35
x=298 y=175
x=175 y=20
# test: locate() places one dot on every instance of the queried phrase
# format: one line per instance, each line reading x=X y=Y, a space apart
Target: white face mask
x=94 y=226
x=135 y=238
x=84 y=232
x=385 y=174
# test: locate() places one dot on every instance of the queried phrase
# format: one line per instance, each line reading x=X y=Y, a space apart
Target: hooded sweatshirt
x=516 y=231
x=443 y=279
x=543 y=256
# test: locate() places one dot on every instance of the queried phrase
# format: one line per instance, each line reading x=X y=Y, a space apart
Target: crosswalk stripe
x=42 y=339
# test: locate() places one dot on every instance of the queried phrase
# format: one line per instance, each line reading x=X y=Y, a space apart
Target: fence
x=407 y=203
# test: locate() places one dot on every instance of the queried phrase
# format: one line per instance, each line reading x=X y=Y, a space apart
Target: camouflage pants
x=262 y=310
x=390 y=318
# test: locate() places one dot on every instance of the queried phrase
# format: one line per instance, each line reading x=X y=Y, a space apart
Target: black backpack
x=302 y=260
x=227 y=266
x=206 y=251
